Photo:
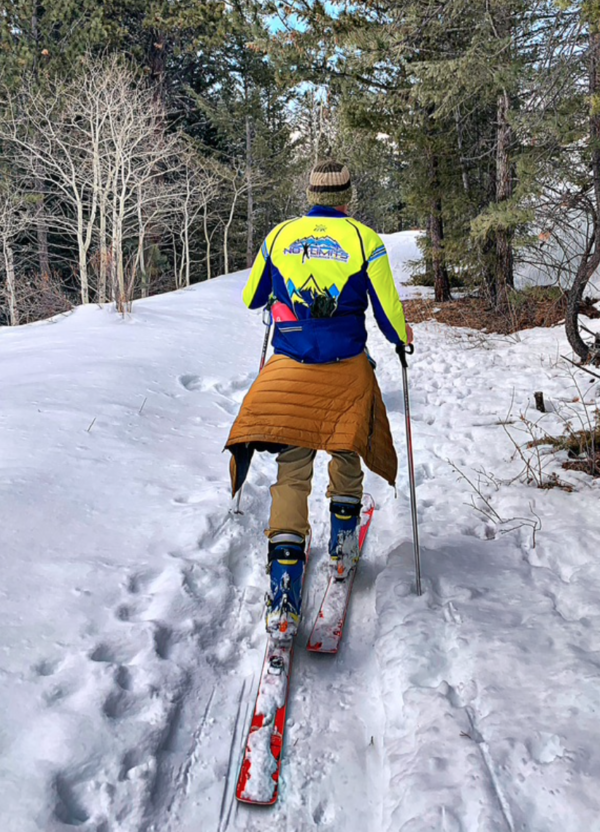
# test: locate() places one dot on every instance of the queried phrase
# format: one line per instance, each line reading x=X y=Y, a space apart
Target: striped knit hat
x=329 y=184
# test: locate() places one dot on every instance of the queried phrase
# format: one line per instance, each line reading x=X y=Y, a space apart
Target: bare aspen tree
x=42 y=131
x=101 y=142
x=249 y=195
x=207 y=239
x=192 y=195
x=13 y=220
x=238 y=181
x=141 y=158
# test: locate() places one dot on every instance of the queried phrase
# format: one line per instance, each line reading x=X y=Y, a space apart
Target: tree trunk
x=591 y=258
x=186 y=242
x=141 y=259
x=119 y=268
x=103 y=271
x=436 y=234
x=440 y=272
x=82 y=251
x=157 y=60
x=461 y=159
x=250 y=202
x=207 y=238
x=429 y=276
x=9 y=266
x=40 y=222
x=588 y=266
x=504 y=252
x=175 y=266
x=488 y=257
x=236 y=194
x=595 y=118
x=41 y=225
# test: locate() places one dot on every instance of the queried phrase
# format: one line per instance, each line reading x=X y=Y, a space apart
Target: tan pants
x=289 y=507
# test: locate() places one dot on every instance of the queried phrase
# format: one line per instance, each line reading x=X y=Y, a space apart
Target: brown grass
x=582 y=446
x=540 y=307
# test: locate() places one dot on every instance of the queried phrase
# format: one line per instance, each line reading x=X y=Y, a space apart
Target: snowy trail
x=131 y=597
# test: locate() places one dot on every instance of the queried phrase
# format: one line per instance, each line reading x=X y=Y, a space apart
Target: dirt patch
x=582 y=446
x=590 y=465
x=539 y=306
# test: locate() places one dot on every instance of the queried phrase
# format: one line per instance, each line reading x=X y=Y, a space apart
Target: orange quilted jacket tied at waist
x=328 y=407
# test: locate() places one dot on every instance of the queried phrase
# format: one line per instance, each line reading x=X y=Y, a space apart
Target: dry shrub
x=537 y=306
x=41 y=296
x=582 y=445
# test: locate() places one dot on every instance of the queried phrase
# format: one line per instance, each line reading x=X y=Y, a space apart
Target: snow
x=132 y=597
x=260 y=784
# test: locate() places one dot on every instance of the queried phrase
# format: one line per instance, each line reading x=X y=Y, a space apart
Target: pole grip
x=403 y=350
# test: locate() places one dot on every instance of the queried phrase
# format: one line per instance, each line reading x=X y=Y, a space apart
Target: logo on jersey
x=321 y=302
x=318 y=248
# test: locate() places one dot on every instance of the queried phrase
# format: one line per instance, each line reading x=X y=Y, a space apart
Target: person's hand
x=410 y=335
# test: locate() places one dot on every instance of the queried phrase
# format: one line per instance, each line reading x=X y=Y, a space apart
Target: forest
x=145 y=147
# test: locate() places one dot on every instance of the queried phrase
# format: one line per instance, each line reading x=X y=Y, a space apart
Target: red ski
x=327 y=632
x=259 y=775
x=258 y=783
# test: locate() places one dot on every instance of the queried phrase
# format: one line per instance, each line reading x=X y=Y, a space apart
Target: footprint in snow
x=123 y=612
x=119 y=704
x=111 y=654
x=46 y=667
x=234 y=386
x=194 y=383
x=139 y=582
x=69 y=808
x=190 y=382
x=199 y=497
x=123 y=678
x=134 y=761
x=229 y=407
x=164 y=641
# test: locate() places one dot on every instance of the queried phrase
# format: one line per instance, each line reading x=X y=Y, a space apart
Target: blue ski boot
x=343 y=541
x=287 y=559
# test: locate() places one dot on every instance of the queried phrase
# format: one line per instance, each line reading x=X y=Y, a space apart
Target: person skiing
x=318 y=391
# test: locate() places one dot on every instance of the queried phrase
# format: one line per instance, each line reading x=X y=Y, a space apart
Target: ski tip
x=242 y=785
x=322 y=651
x=368 y=502
x=264 y=797
x=247 y=802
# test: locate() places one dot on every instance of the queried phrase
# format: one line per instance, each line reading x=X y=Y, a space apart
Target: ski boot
x=287 y=559
x=343 y=541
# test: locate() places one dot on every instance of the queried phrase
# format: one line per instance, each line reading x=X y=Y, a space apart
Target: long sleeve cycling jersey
x=325 y=267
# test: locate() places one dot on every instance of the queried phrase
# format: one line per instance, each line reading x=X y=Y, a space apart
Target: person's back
x=325 y=267
x=319 y=391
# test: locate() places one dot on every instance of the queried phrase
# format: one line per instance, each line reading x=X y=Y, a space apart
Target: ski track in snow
x=132 y=596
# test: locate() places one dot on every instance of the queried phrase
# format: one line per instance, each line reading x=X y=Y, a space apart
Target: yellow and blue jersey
x=325 y=267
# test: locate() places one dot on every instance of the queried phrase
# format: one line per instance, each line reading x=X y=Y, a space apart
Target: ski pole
x=267 y=321
x=402 y=351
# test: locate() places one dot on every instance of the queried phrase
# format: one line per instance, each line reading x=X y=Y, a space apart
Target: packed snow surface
x=131 y=623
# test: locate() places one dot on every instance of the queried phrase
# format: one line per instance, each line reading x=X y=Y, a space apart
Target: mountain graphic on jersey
x=323 y=302
x=318 y=248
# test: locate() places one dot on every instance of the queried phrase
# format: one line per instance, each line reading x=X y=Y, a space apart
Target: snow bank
x=132 y=598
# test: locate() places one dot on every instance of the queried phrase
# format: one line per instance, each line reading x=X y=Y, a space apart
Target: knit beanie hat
x=329 y=184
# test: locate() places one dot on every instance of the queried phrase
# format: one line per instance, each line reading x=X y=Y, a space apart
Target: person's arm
x=387 y=306
x=258 y=287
